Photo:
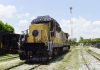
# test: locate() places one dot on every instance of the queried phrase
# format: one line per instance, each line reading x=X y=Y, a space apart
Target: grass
x=69 y=61
x=8 y=57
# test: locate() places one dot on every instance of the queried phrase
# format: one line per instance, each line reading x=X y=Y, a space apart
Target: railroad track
x=94 y=54
x=85 y=61
x=27 y=66
x=14 y=66
x=23 y=66
x=17 y=64
x=90 y=61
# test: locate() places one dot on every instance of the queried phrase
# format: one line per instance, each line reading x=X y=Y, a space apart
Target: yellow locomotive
x=43 y=40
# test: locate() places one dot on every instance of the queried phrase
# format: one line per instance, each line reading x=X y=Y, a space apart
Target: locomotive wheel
x=49 y=55
x=68 y=46
x=55 y=52
x=22 y=56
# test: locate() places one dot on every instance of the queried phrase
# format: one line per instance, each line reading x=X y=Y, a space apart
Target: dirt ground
x=78 y=58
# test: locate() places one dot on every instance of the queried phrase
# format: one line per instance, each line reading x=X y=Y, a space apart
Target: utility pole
x=71 y=22
x=71 y=25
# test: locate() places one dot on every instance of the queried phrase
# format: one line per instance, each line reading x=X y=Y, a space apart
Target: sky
x=85 y=15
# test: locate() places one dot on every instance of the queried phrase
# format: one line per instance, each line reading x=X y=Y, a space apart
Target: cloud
x=10 y=13
x=23 y=15
x=22 y=25
x=7 y=10
x=23 y=22
x=81 y=27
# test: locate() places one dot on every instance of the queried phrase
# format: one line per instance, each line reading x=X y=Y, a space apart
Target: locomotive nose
x=35 y=33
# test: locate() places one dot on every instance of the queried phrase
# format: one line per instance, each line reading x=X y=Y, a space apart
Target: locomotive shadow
x=59 y=58
x=53 y=60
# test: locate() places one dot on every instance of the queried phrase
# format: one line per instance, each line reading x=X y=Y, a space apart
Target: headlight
x=35 y=33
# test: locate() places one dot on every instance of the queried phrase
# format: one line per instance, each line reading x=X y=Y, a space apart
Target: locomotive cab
x=37 y=42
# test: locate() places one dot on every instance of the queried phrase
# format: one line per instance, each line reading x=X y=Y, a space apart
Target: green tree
x=1 y=26
x=73 y=41
x=89 y=41
x=8 y=28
